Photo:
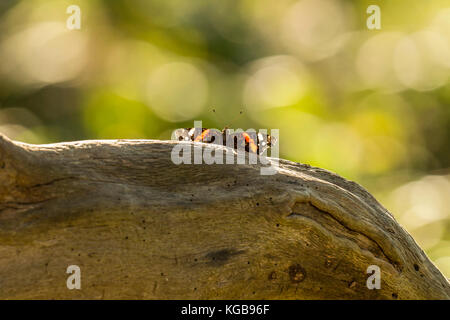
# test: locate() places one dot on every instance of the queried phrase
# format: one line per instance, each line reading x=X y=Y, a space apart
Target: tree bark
x=141 y=227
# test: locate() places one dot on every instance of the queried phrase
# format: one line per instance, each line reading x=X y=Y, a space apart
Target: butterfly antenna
x=228 y=125
x=240 y=113
x=214 y=111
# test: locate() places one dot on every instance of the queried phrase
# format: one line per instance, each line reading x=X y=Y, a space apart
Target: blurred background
x=370 y=105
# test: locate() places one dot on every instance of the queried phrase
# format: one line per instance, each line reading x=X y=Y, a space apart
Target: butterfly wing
x=198 y=135
x=181 y=135
x=265 y=141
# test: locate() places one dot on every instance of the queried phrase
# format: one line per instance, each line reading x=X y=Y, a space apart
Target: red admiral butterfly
x=250 y=142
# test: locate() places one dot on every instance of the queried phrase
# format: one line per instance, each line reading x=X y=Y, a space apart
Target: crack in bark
x=395 y=264
x=21 y=205
x=50 y=182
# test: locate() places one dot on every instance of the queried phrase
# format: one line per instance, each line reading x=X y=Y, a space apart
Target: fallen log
x=139 y=226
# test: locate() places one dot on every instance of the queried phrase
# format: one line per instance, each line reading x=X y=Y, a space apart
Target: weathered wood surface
x=140 y=227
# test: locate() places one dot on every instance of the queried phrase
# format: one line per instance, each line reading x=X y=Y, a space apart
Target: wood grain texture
x=141 y=227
